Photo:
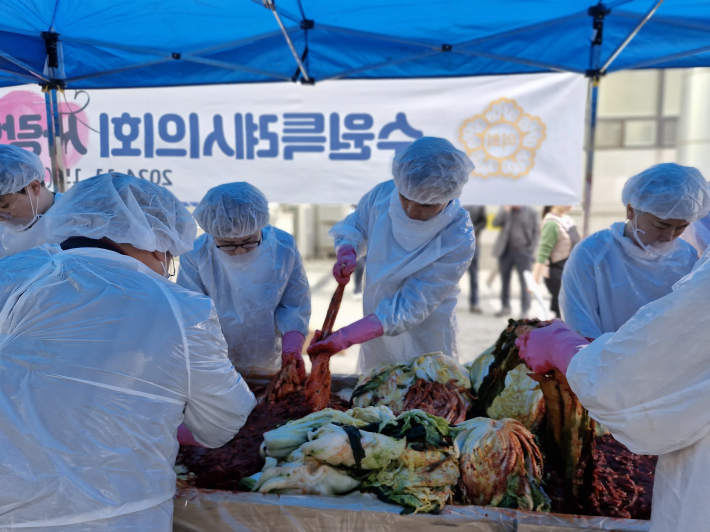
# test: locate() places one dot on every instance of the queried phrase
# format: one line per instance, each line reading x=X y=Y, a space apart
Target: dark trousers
x=473 y=276
x=521 y=260
x=359 y=271
x=554 y=283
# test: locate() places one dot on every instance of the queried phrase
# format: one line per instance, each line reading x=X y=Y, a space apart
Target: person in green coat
x=559 y=236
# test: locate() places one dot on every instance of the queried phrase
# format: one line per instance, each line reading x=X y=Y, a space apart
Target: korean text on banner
x=328 y=143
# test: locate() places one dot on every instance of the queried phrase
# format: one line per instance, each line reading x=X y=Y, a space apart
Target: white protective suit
x=14 y=241
x=698 y=234
x=101 y=360
x=259 y=296
x=412 y=274
x=649 y=384
x=607 y=278
x=18 y=169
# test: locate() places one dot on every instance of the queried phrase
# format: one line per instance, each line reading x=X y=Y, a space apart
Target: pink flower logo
x=23 y=122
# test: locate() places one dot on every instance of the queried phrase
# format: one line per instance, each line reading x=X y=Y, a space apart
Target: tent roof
x=146 y=43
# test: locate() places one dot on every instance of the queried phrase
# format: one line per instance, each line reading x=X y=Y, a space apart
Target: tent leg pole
x=269 y=4
x=50 y=140
x=61 y=173
x=592 y=97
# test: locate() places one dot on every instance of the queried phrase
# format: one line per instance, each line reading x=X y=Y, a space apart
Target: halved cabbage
x=500 y=464
x=305 y=476
x=521 y=399
x=348 y=446
x=281 y=441
x=509 y=392
x=421 y=481
x=387 y=384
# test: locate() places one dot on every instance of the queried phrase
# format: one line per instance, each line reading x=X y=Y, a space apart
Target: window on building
x=609 y=134
x=639 y=109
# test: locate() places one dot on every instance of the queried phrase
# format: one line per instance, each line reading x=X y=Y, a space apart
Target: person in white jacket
x=102 y=358
x=254 y=274
x=24 y=200
x=649 y=384
x=420 y=242
x=698 y=235
x=615 y=272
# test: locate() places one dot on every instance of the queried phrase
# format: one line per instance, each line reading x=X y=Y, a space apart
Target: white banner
x=328 y=143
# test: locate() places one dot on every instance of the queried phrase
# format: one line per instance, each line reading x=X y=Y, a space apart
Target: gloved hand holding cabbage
x=550 y=347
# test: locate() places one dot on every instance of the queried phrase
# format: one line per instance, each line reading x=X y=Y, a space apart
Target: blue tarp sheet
x=145 y=43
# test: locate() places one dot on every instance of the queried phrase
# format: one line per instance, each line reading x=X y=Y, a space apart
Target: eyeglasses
x=248 y=246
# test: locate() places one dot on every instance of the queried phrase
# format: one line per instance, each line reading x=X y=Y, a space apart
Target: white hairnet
x=18 y=168
x=669 y=191
x=431 y=170
x=233 y=210
x=127 y=210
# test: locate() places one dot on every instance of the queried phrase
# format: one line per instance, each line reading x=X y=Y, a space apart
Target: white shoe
x=357 y=295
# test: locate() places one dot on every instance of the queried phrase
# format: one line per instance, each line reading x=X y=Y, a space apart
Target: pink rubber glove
x=550 y=347
x=345 y=265
x=185 y=437
x=291 y=347
x=356 y=333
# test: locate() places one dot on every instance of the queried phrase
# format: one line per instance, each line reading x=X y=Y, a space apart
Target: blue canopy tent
x=152 y=43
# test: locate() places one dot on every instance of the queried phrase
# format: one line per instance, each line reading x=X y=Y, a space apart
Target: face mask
x=412 y=234
x=655 y=248
x=21 y=224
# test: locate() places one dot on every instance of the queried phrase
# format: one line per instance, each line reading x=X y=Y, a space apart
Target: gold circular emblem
x=502 y=140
